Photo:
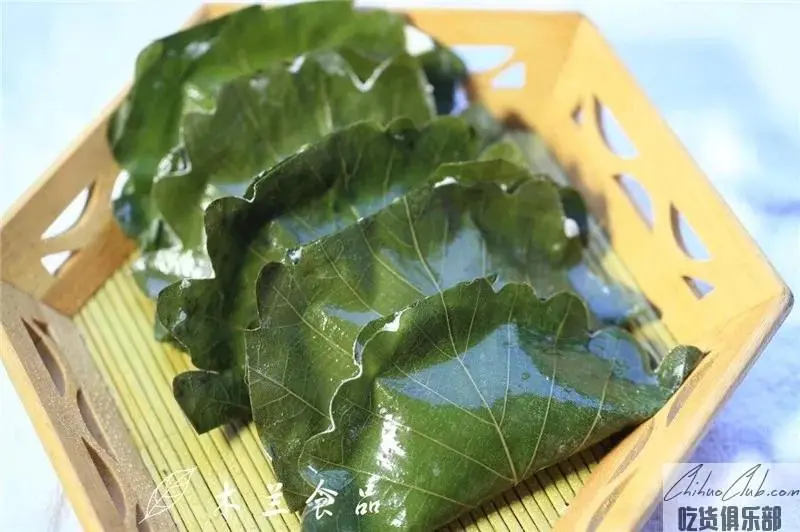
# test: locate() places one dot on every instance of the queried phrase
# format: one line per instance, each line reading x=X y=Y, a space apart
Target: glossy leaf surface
x=609 y=302
x=468 y=392
x=481 y=219
x=348 y=175
x=260 y=120
x=184 y=72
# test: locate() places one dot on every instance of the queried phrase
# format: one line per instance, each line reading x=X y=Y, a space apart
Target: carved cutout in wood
x=612 y=132
x=49 y=358
x=577 y=115
x=107 y=476
x=70 y=216
x=90 y=420
x=699 y=288
x=686 y=237
x=638 y=196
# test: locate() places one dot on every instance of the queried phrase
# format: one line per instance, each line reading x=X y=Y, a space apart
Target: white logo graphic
x=169 y=491
x=275 y=501
x=321 y=499
x=365 y=505
x=224 y=499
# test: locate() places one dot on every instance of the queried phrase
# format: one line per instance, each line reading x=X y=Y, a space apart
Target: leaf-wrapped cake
x=465 y=394
x=399 y=302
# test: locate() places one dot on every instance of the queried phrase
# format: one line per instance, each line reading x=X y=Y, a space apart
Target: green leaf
x=486 y=219
x=514 y=142
x=468 y=392
x=206 y=397
x=323 y=189
x=446 y=73
x=260 y=120
x=155 y=270
x=506 y=150
x=488 y=128
x=184 y=72
x=608 y=302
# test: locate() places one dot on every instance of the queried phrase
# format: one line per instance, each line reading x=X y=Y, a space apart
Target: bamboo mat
x=117 y=327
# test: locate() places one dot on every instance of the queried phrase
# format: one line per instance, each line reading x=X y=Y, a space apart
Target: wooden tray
x=78 y=343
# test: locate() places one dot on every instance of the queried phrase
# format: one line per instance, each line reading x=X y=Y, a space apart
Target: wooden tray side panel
x=74 y=415
x=95 y=243
x=732 y=323
x=576 y=126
